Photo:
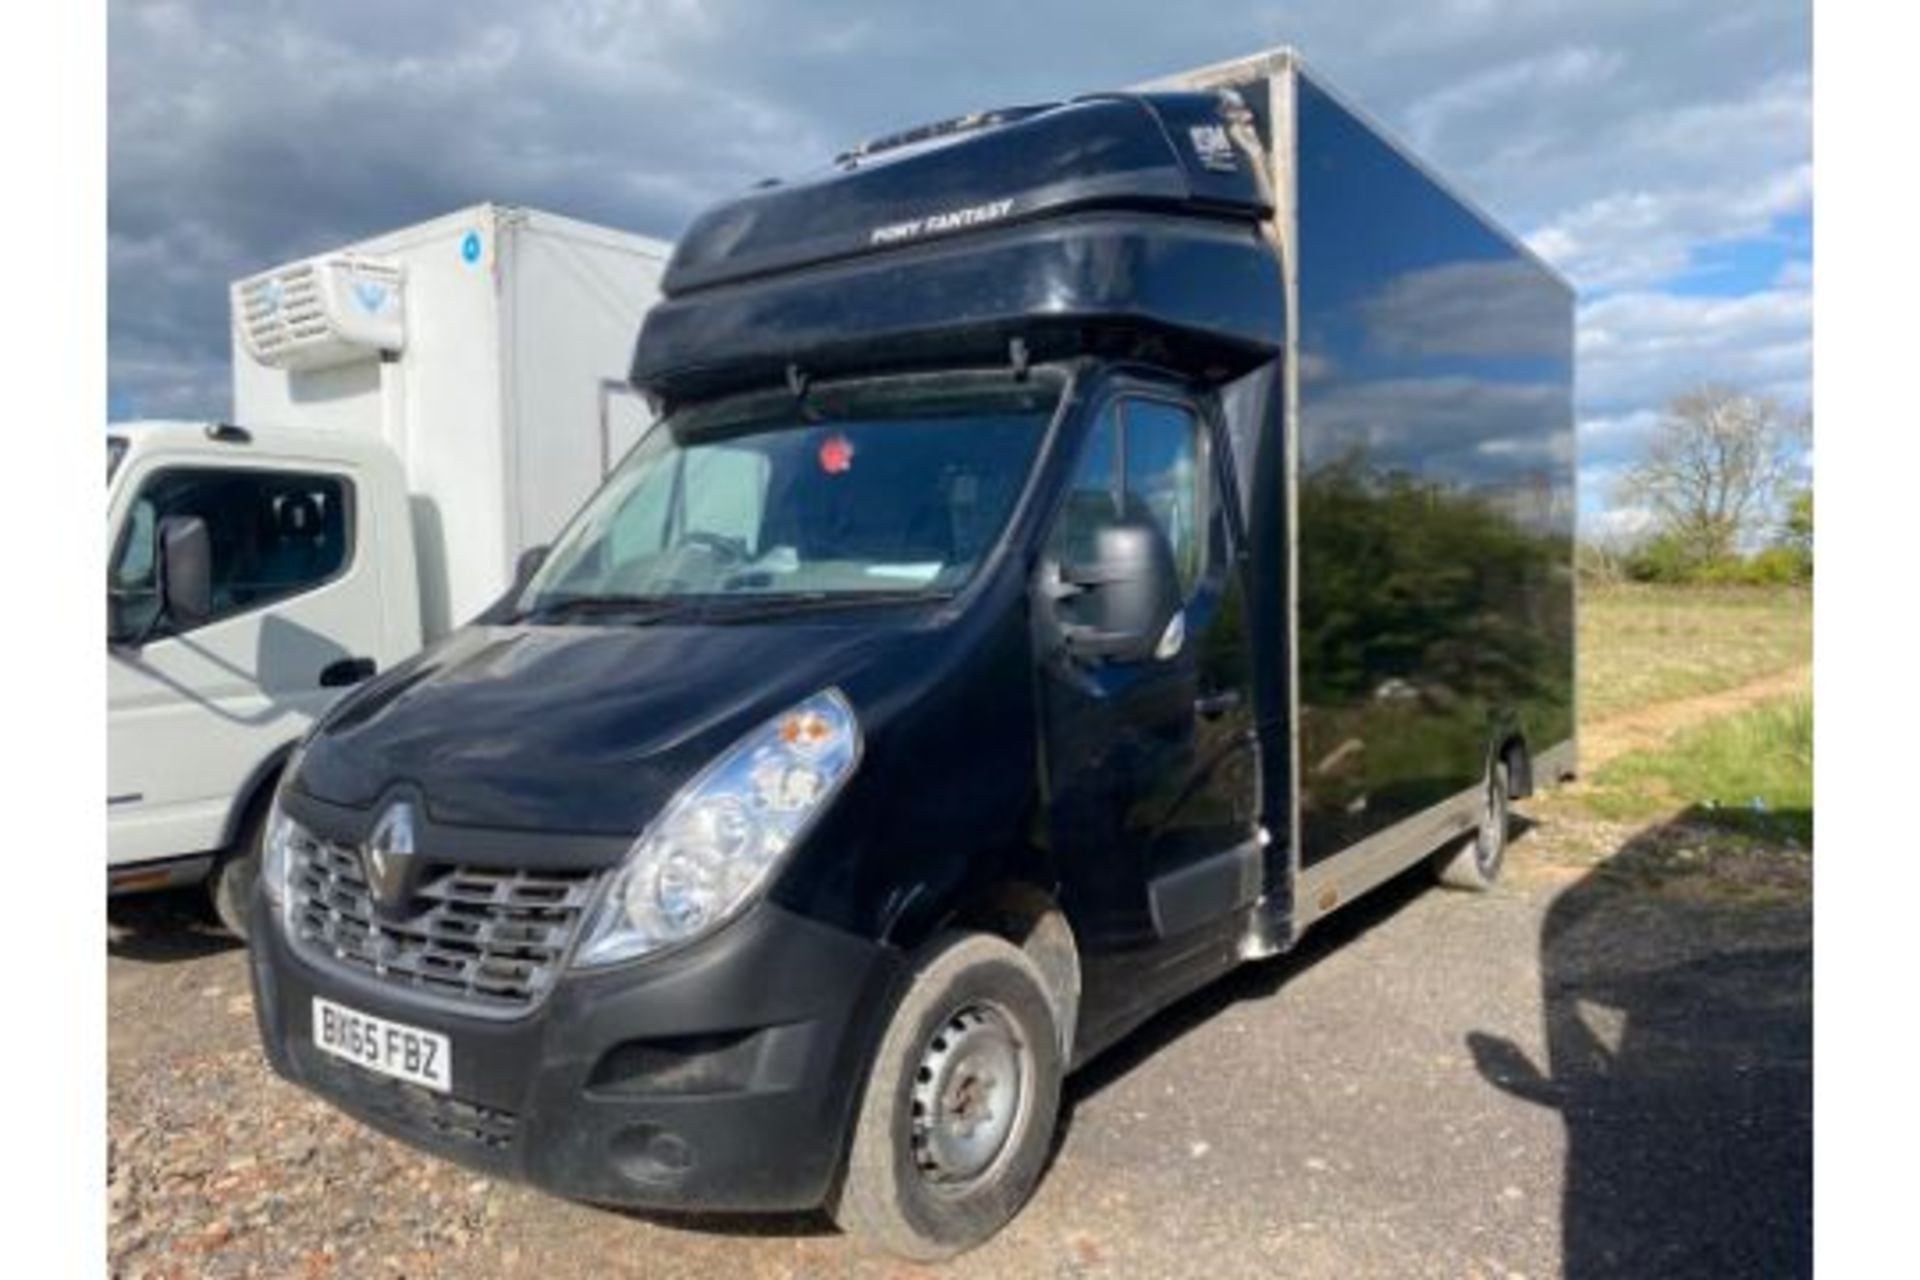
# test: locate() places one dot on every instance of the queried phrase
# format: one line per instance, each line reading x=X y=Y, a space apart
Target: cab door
x=1151 y=787
x=194 y=713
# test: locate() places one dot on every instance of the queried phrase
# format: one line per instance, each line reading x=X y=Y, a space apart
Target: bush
x=1665 y=558
x=1779 y=566
x=1670 y=561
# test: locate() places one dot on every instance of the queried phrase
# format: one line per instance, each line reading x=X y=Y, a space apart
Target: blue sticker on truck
x=470 y=247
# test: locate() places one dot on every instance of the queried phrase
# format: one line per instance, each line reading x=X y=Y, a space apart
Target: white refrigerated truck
x=411 y=414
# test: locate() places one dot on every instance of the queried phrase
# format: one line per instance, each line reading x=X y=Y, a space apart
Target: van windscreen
x=864 y=490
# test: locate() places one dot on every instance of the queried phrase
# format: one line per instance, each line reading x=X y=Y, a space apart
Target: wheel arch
x=1031 y=918
x=256 y=790
x=1509 y=747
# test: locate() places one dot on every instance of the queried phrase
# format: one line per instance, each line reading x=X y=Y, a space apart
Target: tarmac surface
x=1604 y=1067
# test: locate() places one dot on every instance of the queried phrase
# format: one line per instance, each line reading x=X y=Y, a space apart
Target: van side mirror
x=1116 y=603
x=186 y=570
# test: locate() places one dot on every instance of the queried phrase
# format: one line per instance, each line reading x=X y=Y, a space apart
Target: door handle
x=1211 y=706
x=345 y=671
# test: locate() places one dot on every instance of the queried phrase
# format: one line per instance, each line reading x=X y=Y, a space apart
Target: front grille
x=486 y=937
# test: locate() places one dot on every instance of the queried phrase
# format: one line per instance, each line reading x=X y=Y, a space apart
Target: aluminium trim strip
x=1332 y=883
x=1287 y=226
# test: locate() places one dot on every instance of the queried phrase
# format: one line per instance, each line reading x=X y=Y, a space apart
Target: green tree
x=1796 y=532
x=1718 y=464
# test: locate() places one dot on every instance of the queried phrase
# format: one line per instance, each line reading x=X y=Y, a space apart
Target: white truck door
x=194 y=714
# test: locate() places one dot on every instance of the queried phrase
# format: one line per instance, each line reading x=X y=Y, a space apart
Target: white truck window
x=273 y=534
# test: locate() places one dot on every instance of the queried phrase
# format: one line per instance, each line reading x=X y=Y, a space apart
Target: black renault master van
x=1081 y=546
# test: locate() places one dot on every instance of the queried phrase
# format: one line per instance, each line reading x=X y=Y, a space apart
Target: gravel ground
x=1602 y=1068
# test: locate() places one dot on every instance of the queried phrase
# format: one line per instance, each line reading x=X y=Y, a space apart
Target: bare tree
x=1718 y=463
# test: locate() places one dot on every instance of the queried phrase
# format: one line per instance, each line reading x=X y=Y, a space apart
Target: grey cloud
x=1637 y=349
x=243 y=133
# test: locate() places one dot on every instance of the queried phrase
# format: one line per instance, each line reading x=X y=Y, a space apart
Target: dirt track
x=1650 y=726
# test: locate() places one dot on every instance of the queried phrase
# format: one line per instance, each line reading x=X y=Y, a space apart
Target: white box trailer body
x=432 y=402
x=508 y=400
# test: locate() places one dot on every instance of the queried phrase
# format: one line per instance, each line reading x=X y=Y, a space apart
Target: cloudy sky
x=1658 y=151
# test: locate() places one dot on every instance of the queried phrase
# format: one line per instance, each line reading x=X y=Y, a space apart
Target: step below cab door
x=196 y=713
x=1153 y=791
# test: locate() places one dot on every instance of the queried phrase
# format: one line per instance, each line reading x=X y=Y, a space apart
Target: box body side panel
x=574 y=303
x=1435 y=487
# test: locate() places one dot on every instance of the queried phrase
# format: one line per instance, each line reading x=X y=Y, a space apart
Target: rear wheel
x=1476 y=864
x=959 y=1108
x=234 y=876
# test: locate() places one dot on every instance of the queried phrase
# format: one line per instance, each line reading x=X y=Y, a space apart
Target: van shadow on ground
x=1679 y=1017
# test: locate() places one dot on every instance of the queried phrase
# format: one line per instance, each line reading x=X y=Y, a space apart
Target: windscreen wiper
x=761 y=605
x=637 y=610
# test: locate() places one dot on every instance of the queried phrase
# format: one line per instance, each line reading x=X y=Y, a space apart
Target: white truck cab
x=312 y=589
x=415 y=412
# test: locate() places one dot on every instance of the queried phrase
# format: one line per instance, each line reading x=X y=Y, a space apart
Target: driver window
x=1164 y=471
x=1144 y=458
x=132 y=594
x=273 y=534
x=1093 y=499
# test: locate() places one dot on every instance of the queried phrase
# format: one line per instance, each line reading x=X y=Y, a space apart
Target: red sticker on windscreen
x=836 y=455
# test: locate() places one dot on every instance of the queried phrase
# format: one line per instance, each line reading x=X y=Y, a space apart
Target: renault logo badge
x=388 y=855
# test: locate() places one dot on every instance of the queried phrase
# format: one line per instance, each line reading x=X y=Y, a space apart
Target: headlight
x=718 y=841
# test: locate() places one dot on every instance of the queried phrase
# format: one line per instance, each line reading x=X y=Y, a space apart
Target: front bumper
x=720 y=1077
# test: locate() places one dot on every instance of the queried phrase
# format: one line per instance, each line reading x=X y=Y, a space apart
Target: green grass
x=1751 y=772
x=1641 y=645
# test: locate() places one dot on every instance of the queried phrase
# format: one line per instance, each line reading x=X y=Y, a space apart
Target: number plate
x=390 y=1048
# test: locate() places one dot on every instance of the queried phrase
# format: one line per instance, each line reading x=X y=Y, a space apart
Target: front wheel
x=959 y=1108
x=1476 y=864
x=234 y=876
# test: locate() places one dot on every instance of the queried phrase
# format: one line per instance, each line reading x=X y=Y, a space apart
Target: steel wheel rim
x=971 y=1091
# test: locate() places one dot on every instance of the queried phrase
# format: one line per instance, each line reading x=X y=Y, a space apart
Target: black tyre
x=231 y=885
x=1476 y=864
x=958 y=1113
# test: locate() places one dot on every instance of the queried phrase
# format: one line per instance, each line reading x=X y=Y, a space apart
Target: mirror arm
x=159 y=614
x=1092 y=643
x=1056 y=584
x=146 y=632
